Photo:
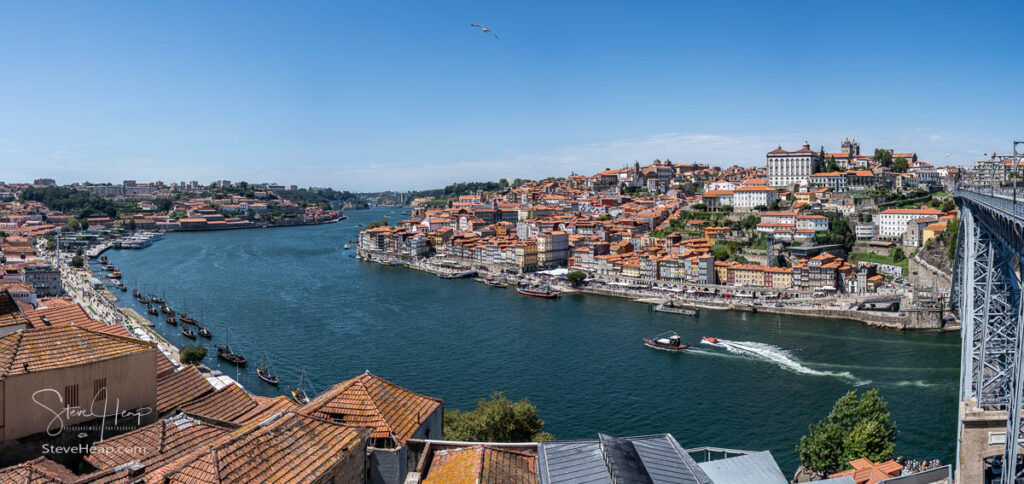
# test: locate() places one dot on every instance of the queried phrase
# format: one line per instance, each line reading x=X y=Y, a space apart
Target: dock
x=671 y=307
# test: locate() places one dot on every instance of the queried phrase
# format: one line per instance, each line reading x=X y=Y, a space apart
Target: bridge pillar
x=992 y=377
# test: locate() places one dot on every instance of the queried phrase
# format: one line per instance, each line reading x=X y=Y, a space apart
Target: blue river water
x=297 y=294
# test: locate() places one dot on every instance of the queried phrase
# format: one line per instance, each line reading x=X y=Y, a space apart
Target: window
x=71 y=396
x=99 y=389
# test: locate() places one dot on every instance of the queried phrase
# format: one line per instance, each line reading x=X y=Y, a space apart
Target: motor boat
x=709 y=340
x=668 y=341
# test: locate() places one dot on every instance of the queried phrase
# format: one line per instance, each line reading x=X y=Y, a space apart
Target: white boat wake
x=780 y=357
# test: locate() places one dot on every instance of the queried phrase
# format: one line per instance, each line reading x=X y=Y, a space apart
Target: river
x=297 y=294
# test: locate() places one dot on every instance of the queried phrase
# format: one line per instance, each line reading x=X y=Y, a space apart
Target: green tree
x=883 y=157
x=79 y=251
x=77 y=261
x=858 y=426
x=497 y=419
x=379 y=223
x=51 y=245
x=900 y=165
x=897 y=254
x=953 y=229
x=727 y=209
x=192 y=354
x=774 y=205
x=576 y=277
x=73 y=225
x=700 y=207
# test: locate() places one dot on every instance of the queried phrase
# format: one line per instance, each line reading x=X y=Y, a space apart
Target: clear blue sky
x=376 y=94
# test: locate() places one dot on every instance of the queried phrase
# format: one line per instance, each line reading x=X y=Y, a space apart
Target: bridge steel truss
x=987 y=293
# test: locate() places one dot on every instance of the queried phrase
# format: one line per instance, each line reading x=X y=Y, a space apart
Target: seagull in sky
x=484 y=29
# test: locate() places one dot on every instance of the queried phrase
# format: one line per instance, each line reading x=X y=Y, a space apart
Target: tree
x=700 y=207
x=900 y=165
x=897 y=254
x=576 y=277
x=131 y=224
x=830 y=164
x=192 y=354
x=774 y=205
x=84 y=222
x=77 y=261
x=857 y=426
x=73 y=226
x=720 y=253
x=727 y=209
x=953 y=229
x=496 y=420
x=51 y=245
x=883 y=157
x=379 y=223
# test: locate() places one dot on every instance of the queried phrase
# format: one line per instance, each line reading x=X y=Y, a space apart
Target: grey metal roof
x=759 y=467
x=654 y=459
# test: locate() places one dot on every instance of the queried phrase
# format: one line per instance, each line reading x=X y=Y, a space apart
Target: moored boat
x=152 y=310
x=347 y=247
x=115 y=275
x=298 y=393
x=186 y=319
x=171 y=320
x=543 y=292
x=188 y=333
x=104 y=260
x=225 y=353
x=263 y=371
x=668 y=341
x=204 y=332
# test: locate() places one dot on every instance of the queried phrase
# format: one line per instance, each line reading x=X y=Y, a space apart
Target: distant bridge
x=986 y=292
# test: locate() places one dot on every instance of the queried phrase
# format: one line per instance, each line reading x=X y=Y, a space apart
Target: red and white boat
x=709 y=340
x=669 y=341
x=543 y=292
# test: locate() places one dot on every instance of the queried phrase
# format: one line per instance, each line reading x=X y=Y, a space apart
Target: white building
x=817 y=223
x=754 y=195
x=717 y=199
x=866 y=231
x=892 y=223
x=788 y=218
x=788 y=167
x=719 y=185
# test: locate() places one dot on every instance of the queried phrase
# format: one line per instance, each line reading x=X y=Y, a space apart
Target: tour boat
x=225 y=353
x=668 y=341
x=171 y=320
x=298 y=394
x=709 y=340
x=204 y=332
x=188 y=333
x=115 y=275
x=156 y=299
x=186 y=319
x=263 y=371
x=167 y=310
x=543 y=292
x=152 y=310
x=142 y=299
x=495 y=283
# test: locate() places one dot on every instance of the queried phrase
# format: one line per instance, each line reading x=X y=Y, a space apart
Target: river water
x=297 y=294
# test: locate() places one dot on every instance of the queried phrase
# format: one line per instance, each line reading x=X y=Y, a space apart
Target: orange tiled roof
x=228 y=403
x=480 y=463
x=370 y=401
x=62 y=347
x=67 y=314
x=288 y=448
x=179 y=388
x=10 y=312
x=37 y=471
x=158 y=442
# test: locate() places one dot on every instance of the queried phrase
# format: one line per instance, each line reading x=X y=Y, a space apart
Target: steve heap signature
x=98 y=408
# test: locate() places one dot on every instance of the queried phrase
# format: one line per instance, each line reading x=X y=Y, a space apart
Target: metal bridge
x=986 y=292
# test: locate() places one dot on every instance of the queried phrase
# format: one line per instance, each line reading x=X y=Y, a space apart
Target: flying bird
x=484 y=29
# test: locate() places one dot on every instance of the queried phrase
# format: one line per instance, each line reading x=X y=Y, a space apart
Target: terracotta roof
x=67 y=314
x=228 y=403
x=181 y=387
x=911 y=211
x=370 y=401
x=10 y=314
x=290 y=448
x=480 y=463
x=158 y=442
x=37 y=471
x=267 y=407
x=62 y=347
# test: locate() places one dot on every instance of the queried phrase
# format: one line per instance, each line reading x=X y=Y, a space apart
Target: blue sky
x=377 y=95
